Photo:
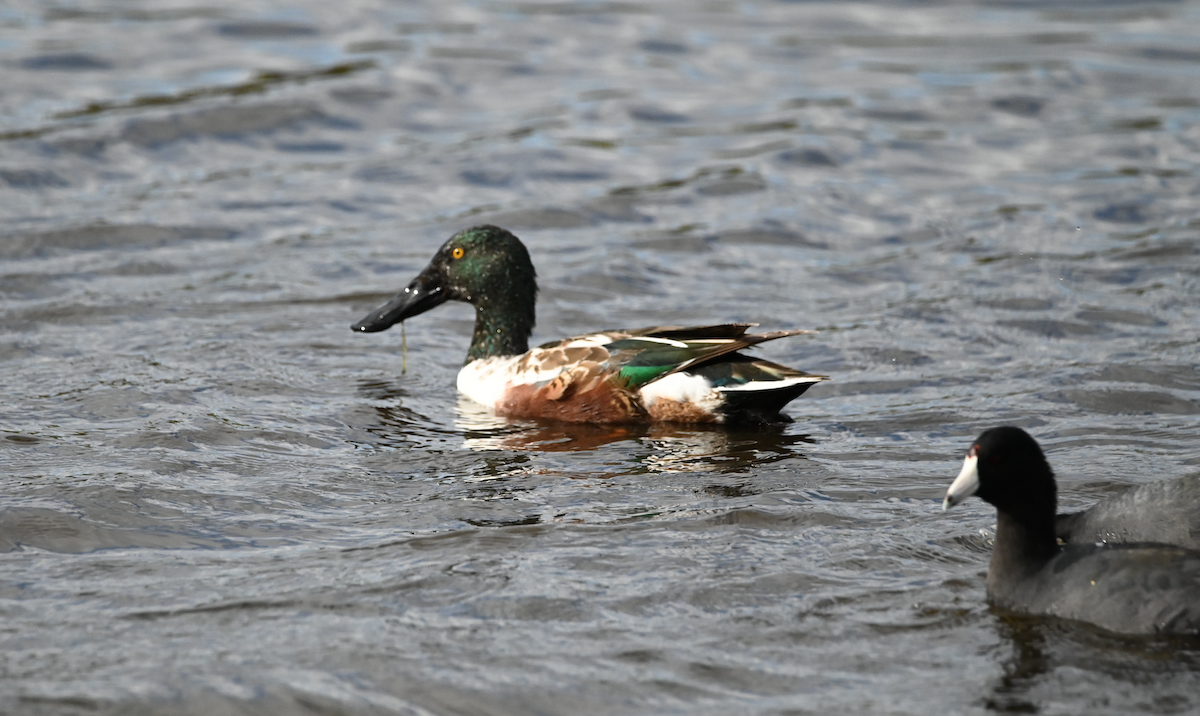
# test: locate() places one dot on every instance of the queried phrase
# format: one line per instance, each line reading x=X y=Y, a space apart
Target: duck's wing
x=643 y=355
x=683 y=333
x=677 y=333
x=617 y=365
x=647 y=355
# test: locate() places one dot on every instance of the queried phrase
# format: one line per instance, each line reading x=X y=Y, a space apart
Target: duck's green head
x=485 y=266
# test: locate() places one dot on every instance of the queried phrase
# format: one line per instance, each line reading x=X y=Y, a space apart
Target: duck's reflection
x=482 y=430
x=655 y=447
x=674 y=448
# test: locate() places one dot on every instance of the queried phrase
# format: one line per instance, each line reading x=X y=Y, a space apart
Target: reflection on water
x=1039 y=651
x=1026 y=663
x=658 y=447
x=714 y=449
x=392 y=419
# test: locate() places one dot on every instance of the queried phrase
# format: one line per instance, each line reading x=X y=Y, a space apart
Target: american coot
x=1165 y=511
x=660 y=374
x=1135 y=588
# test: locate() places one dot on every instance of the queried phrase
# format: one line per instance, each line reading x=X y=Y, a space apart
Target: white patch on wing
x=486 y=380
x=663 y=341
x=770 y=384
x=596 y=339
x=683 y=388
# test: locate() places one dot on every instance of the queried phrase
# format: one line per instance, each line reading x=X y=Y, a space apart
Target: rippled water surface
x=217 y=499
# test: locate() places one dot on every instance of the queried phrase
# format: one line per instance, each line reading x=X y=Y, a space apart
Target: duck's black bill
x=420 y=296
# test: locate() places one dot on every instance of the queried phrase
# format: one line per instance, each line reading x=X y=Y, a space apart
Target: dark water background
x=217 y=500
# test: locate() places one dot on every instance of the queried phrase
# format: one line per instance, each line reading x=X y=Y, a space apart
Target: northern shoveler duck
x=693 y=375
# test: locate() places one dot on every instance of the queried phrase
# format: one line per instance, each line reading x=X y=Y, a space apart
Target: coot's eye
x=457 y=252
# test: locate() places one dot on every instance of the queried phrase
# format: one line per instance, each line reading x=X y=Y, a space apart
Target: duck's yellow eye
x=457 y=252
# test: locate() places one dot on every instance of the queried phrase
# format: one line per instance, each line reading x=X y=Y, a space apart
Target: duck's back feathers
x=649 y=354
x=680 y=374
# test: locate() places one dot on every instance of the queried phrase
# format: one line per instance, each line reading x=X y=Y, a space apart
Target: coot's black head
x=1006 y=468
